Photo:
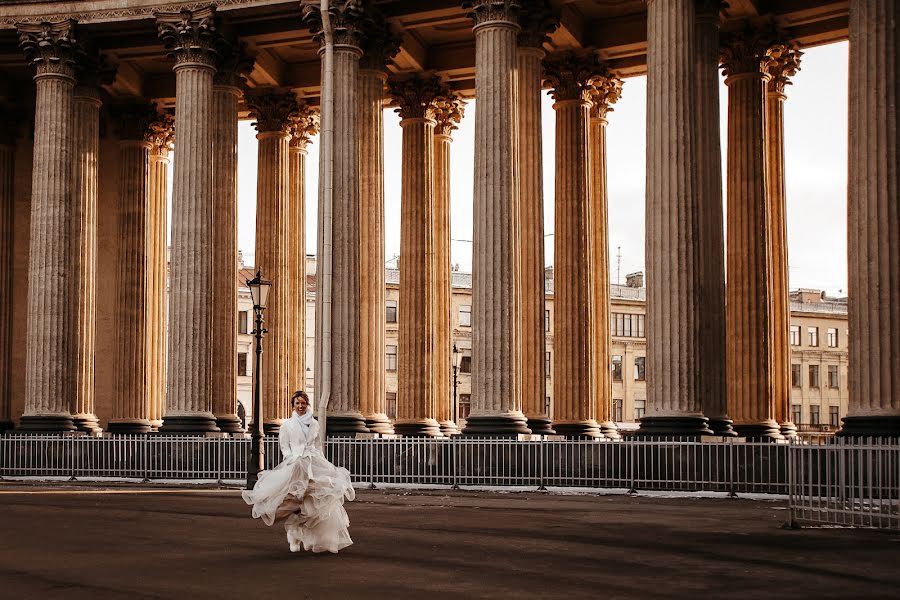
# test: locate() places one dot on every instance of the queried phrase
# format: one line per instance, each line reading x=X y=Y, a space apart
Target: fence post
x=71 y=443
x=146 y=453
x=731 y=468
x=220 y=464
x=455 y=465
x=371 y=445
x=792 y=520
x=541 y=449
x=632 y=467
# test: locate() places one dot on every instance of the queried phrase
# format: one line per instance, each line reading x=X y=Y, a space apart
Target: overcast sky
x=816 y=173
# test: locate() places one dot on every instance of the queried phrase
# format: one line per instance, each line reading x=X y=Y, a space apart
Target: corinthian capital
x=413 y=96
x=570 y=76
x=133 y=119
x=273 y=109
x=348 y=21
x=781 y=62
x=94 y=70
x=744 y=51
x=606 y=89
x=537 y=21
x=488 y=11
x=190 y=36
x=448 y=111
x=304 y=125
x=233 y=65
x=51 y=47
x=379 y=44
x=161 y=134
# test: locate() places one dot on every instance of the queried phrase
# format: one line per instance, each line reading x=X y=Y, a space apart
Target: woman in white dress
x=305 y=489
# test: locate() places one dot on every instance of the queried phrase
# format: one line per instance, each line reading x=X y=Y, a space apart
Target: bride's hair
x=300 y=394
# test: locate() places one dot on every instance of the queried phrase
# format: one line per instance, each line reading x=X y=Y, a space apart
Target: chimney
x=635 y=280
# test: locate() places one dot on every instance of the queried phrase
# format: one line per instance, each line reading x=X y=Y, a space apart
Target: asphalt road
x=77 y=542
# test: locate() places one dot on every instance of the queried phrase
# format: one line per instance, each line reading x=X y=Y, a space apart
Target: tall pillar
x=782 y=62
x=416 y=399
x=447 y=110
x=226 y=94
x=273 y=110
x=574 y=407
x=536 y=21
x=344 y=416
x=747 y=294
x=672 y=245
x=711 y=232
x=49 y=381
x=873 y=219
x=161 y=135
x=606 y=90
x=131 y=404
x=191 y=37
x=496 y=397
x=379 y=46
x=9 y=132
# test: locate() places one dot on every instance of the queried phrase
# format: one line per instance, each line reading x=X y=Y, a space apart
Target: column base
x=687 y=426
x=345 y=425
x=767 y=431
x=583 y=429
x=496 y=425
x=420 y=427
x=229 y=424
x=274 y=427
x=788 y=430
x=609 y=430
x=46 y=423
x=185 y=424
x=448 y=428
x=541 y=425
x=131 y=426
x=871 y=426
x=155 y=425
x=87 y=423
x=721 y=426
x=379 y=423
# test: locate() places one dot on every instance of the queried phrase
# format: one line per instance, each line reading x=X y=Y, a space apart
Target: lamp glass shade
x=259 y=290
x=457 y=356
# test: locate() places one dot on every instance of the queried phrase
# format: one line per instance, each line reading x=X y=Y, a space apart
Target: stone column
x=191 y=37
x=710 y=221
x=447 y=110
x=161 y=135
x=606 y=90
x=747 y=294
x=782 y=61
x=496 y=397
x=226 y=94
x=344 y=416
x=416 y=399
x=379 y=47
x=131 y=404
x=273 y=110
x=10 y=122
x=873 y=219
x=49 y=380
x=574 y=407
x=536 y=21
x=672 y=245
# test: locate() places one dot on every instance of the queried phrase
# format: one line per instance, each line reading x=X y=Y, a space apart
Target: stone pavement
x=77 y=541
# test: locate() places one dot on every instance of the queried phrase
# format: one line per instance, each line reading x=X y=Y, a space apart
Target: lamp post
x=259 y=291
x=457 y=356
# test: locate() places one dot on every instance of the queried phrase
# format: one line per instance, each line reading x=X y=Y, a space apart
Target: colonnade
x=717 y=347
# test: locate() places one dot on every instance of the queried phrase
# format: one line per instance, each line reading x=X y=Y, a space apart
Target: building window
x=626 y=325
x=813 y=376
x=795 y=376
x=465 y=316
x=833 y=381
x=834 y=418
x=639 y=374
x=547 y=365
x=465 y=405
x=831 y=337
x=813 y=415
x=617 y=368
x=795 y=335
x=813 y=335
x=242 y=364
x=546 y=320
x=617 y=410
x=242 y=321
x=390 y=405
x=391 y=358
x=639 y=409
x=390 y=311
x=796 y=413
x=465 y=364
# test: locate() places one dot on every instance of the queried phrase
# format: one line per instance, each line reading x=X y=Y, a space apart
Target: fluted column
x=781 y=62
x=273 y=110
x=191 y=37
x=672 y=245
x=447 y=110
x=873 y=219
x=131 y=403
x=606 y=90
x=496 y=397
x=711 y=232
x=747 y=296
x=416 y=410
x=344 y=416
x=536 y=21
x=49 y=380
x=9 y=132
x=574 y=408
x=161 y=135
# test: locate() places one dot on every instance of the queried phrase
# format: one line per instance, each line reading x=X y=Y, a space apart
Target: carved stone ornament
x=744 y=51
x=161 y=134
x=51 y=47
x=487 y=11
x=781 y=62
x=233 y=65
x=123 y=10
x=348 y=21
x=413 y=96
x=304 y=125
x=537 y=21
x=133 y=119
x=95 y=70
x=273 y=109
x=190 y=37
x=606 y=91
x=570 y=76
x=448 y=111
x=710 y=9
x=379 y=44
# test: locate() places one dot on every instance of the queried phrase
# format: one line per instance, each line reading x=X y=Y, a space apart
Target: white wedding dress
x=306 y=489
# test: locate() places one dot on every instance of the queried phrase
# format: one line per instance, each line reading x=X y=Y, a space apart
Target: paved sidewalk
x=117 y=542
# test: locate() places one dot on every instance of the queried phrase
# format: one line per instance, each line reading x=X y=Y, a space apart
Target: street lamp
x=259 y=292
x=457 y=357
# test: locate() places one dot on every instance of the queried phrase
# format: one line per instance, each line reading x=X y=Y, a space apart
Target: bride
x=305 y=488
